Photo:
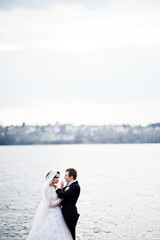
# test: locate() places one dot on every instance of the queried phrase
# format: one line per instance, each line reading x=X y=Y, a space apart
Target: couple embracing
x=56 y=216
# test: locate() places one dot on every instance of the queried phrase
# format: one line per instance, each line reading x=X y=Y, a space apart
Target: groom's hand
x=62 y=185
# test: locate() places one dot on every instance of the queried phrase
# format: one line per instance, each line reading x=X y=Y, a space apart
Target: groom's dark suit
x=69 y=208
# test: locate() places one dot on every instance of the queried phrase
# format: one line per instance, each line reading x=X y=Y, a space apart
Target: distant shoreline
x=69 y=134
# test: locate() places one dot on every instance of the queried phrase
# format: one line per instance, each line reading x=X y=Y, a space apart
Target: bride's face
x=56 y=179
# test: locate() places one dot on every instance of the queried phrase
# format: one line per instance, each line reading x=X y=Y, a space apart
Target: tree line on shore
x=70 y=134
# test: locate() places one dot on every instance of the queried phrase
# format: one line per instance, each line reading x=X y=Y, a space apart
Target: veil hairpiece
x=48 y=179
x=51 y=174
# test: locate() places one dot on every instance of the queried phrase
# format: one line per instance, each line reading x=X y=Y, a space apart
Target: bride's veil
x=43 y=206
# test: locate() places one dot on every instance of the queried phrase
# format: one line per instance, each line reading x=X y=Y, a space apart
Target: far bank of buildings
x=70 y=134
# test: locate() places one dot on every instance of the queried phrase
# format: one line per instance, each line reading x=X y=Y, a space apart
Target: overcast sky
x=79 y=62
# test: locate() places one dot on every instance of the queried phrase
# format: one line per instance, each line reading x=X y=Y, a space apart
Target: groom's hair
x=72 y=172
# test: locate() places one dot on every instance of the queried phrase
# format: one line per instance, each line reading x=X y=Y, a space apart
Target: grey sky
x=10 y=4
x=79 y=62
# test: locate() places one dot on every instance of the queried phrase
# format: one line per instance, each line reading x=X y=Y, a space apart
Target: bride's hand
x=50 y=206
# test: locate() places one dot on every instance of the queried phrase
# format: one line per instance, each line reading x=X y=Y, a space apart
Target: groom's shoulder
x=75 y=184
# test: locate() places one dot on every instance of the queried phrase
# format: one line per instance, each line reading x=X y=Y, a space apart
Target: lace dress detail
x=52 y=226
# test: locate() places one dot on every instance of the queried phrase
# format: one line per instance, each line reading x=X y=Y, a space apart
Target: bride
x=48 y=223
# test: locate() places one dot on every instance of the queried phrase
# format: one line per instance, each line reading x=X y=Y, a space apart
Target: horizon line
x=58 y=123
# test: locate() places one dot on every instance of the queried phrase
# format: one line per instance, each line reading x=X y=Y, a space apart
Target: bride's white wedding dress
x=49 y=223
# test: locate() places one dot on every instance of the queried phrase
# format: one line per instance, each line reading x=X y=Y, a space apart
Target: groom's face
x=66 y=177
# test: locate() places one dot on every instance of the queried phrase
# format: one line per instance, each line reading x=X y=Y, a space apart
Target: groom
x=70 y=194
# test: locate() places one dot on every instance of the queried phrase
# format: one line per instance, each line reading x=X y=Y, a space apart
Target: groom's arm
x=67 y=193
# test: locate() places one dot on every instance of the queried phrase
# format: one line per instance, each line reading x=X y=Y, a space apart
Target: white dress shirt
x=68 y=184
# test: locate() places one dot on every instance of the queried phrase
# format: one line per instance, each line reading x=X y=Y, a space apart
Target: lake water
x=120 y=188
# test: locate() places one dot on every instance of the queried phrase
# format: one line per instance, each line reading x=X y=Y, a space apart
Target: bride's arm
x=56 y=202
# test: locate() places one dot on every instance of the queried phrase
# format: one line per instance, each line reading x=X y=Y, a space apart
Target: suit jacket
x=69 y=197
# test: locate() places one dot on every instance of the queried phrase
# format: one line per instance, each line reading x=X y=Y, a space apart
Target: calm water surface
x=120 y=197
